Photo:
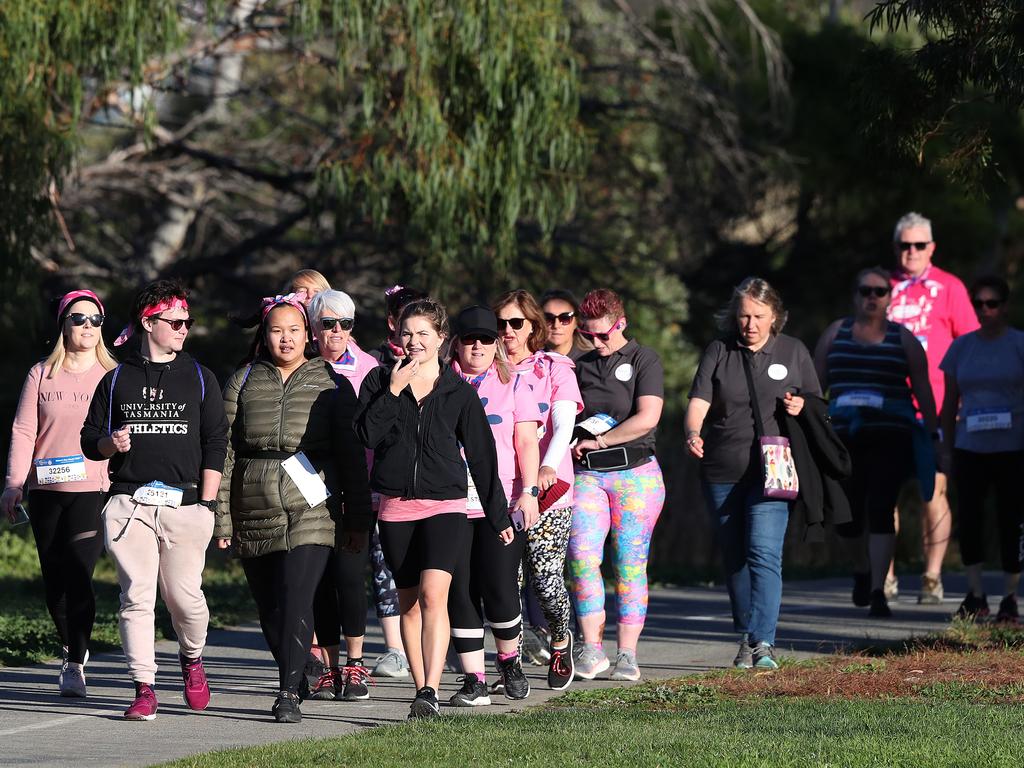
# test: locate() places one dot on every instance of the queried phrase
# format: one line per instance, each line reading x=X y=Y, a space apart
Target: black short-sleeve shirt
x=782 y=365
x=612 y=384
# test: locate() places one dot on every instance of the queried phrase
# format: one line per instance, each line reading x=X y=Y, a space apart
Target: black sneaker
x=355 y=677
x=879 y=605
x=561 y=668
x=326 y=688
x=974 y=607
x=1008 y=610
x=425 y=704
x=286 y=708
x=861 y=590
x=516 y=685
x=472 y=694
x=312 y=673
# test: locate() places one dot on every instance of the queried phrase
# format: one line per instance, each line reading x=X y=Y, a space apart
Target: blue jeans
x=750 y=532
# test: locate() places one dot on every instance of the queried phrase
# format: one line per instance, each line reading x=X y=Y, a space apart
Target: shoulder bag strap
x=754 y=406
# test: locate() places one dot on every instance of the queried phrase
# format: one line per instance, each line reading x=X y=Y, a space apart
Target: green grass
x=720 y=733
x=27 y=634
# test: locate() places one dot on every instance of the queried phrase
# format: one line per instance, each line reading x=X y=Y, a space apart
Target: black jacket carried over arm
x=821 y=462
x=416 y=451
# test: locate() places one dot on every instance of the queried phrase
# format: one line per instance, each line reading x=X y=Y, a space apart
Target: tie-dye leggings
x=625 y=504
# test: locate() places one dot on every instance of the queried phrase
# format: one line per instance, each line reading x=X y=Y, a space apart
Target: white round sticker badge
x=624 y=372
x=777 y=371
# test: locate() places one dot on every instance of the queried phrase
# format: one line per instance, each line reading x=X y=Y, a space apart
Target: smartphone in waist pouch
x=607 y=459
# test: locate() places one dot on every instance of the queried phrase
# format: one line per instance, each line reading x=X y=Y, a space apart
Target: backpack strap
x=202 y=381
x=110 y=402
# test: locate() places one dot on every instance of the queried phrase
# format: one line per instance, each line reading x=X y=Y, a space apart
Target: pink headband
x=152 y=309
x=296 y=300
x=70 y=298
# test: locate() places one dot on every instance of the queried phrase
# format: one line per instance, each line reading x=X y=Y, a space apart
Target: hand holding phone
x=20 y=515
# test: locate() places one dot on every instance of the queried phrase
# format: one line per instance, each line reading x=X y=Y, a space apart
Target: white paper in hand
x=306 y=479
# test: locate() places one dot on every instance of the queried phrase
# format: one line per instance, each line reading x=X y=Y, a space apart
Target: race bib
x=472 y=496
x=156 y=494
x=860 y=399
x=62 y=469
x=598 y=424
x=988 y=419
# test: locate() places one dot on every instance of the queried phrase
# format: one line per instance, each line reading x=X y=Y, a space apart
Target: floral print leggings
x=624 y=504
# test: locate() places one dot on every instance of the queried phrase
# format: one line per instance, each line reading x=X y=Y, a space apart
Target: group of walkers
x=468 y=458
x=464 y=459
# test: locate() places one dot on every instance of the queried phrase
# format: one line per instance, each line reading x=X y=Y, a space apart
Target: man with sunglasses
x=159 y=418
x=934 y=305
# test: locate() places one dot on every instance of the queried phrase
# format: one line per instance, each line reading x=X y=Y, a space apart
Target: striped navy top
x=867 y=376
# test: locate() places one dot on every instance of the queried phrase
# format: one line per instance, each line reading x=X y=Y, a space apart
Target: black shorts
x=418 y=545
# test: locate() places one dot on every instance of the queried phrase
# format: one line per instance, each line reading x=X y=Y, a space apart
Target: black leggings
x=883 y=460
x=975 y=474
x=69 y=538
x=487 y=571
x=283 y=584
x=341 y=603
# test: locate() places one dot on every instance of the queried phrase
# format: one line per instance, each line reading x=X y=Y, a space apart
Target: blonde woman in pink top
x=65 y=489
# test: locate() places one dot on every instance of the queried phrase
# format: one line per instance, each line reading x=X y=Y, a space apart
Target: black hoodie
x=176 y=416
x=416 y=450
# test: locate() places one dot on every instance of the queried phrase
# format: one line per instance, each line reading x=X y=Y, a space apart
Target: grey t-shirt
x=782 y=365
x=990 y=376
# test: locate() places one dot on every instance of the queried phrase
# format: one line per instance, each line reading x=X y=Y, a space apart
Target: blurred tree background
x=665 y=148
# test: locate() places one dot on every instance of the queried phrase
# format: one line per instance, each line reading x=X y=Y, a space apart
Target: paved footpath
x=688 y=630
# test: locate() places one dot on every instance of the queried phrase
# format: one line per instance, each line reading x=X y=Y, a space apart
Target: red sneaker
x=144 y=706
x=197 y=691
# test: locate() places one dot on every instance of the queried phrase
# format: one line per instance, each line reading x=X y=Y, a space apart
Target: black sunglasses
x=470 y=340
x=515 y=322
x=564 y=318
x=77 y=319
x=987 y=303
x=346 y=323
x=916 y=246
x=872 y=290
x=177 y=324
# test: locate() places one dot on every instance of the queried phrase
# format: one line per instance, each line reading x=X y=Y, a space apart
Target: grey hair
x=759 y=290
x=912 y=219
x=330 y=300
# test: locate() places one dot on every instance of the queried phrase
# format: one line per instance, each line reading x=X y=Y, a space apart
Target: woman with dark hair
x=65 y=489
x=983 y=429
x=619 y=489
x=414 y=417
x=550 y=377
x=292 y=458
x=865 y=362
x=561 y=313
x=396 y=299
x=720 y=431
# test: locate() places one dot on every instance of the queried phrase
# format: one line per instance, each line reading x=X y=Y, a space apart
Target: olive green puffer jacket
x=261 y=509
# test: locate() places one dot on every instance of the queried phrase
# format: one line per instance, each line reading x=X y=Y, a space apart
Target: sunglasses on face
x=176 y=325
x=515 y=322
x=563 y=318
x=77 y=319
x=469 y=341
x=602 y=336
x=987 y=303
x=904 y=247
x=872 y=290
x=346 y=323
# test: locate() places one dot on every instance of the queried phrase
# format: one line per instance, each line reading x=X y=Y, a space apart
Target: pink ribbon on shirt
x=153 y=309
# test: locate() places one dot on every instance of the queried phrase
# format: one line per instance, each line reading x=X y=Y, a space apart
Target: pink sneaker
x=144 y=706
x=197 y=691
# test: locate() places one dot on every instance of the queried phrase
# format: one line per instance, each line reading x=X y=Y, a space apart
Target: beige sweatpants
x=158 y=546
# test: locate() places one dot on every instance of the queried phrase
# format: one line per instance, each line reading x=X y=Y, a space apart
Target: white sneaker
x=590 y=661
x=626 y=667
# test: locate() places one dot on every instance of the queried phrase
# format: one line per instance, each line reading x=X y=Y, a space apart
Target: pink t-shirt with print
x=936 y=308
x=551 y=377
x=505 y=405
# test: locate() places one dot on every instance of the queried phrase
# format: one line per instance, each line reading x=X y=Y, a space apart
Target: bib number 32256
x=61 y=469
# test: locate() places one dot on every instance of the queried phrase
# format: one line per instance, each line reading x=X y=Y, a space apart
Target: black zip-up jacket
x=416 y=450
x=177 y=430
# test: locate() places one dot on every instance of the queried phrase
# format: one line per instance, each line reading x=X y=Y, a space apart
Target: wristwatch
x=533 y=490
x=210 y=504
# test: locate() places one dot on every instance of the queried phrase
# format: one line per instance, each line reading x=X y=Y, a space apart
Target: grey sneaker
x=590 y=661
x=71 y=680
x=626 y=667
x=391 y=664
x=931 y=591
x=536 y=646
x=745 y=655
x=764 y=657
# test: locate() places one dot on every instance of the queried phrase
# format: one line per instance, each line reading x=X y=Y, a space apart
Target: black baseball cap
x=477 y=321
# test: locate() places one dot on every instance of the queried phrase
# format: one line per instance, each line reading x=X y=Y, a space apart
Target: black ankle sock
x=356 y=662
